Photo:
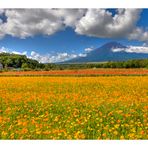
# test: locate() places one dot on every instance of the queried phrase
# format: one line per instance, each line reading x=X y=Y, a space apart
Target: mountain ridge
x=106 y=53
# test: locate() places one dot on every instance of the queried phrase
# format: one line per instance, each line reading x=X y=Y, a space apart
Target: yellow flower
x=101 y=120
x=116 y=126
x=115 y=133
x=4 y=133
x=38 y=132
x=98 y=124
x=122 y=137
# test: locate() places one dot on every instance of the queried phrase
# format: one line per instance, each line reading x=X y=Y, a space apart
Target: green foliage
x=24 y=65
x=14 y=61
x=142 y=63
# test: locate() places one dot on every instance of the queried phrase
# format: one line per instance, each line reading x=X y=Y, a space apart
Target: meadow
x=113 y=107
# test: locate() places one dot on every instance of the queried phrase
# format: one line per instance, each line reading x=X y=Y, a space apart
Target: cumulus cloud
x=54 y=58
x=58 y=57
x=100 y=23
x=20 y=53
x=47 y=58
x=82 y=54
x=6 y=50
x=132 y=49
x=88 y=49
x=3 y=49
x=38 y=57
x=145 y=44
x=139 y=34
x=71 y=16
x=1 y=11
x=29 y=22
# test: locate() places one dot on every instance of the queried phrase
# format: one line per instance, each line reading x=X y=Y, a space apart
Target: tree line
x=21 y=62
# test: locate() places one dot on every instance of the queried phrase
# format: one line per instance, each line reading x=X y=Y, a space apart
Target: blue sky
x=70 y=36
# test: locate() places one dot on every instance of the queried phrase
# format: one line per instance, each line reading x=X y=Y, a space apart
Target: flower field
x=113 y=107
x=78 y=72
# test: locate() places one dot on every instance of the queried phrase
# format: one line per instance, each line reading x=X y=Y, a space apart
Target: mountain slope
x=106 y=53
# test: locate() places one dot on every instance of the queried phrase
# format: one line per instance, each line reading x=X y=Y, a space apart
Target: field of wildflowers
x=79 y=72
x=113 y=107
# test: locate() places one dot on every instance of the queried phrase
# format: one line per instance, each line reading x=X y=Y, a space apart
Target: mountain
x=107 y=53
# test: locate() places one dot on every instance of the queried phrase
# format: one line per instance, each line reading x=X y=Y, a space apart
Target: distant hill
x=106 y=53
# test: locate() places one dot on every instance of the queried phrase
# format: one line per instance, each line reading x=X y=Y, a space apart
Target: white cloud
x=145 y=44
x=20 y=53
x=1 y=11
x=100 y=23
x=58 y=57
x=132 y=49
x=38 y=57
x=71 y=16
x=139 y=34
x=6 y=50
x=82 y=54
x=29 y=22
x=3 y=49
x=88 y=49
x=48 y=58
